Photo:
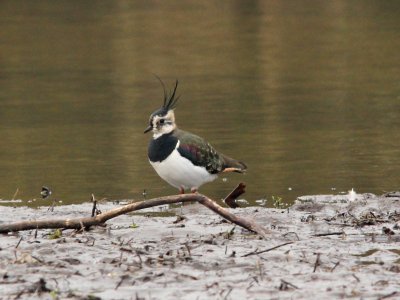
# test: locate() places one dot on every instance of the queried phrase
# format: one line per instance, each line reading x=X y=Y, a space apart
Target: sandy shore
x=326 y=248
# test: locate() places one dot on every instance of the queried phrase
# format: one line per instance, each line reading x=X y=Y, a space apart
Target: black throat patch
x=160 y=148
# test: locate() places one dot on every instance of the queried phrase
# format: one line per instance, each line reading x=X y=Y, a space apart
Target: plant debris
x=345 y=250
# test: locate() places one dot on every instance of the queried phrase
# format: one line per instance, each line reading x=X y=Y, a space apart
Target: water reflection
x=305 y=93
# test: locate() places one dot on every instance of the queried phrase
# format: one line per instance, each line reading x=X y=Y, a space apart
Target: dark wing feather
x=202 y=154
x=199 y=152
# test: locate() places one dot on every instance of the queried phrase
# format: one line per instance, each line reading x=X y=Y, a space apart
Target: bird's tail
x=232 y=165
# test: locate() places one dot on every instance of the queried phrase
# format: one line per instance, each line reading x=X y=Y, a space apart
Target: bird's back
x=202 y=154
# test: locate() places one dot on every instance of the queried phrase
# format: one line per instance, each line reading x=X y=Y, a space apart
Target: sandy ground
x=191 y=253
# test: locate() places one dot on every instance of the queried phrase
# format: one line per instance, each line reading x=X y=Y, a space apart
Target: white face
x=163 y=124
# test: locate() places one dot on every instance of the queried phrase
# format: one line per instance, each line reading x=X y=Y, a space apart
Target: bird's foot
x=181 y=190
x=193 y=190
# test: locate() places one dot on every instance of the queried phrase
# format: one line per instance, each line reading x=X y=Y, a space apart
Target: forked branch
x=77 y=223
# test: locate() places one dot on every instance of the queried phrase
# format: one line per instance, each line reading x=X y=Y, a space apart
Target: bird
x=184 y=160
x=46 y=192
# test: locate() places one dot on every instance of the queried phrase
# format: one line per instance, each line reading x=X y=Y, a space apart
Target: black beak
x=148 y=129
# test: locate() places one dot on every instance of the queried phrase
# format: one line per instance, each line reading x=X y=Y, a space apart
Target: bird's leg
x=182 y=191
x=193 y=190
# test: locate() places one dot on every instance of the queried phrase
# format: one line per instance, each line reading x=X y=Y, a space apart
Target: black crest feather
x=171 y=98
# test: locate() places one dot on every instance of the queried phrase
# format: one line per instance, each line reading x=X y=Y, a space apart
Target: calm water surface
x=305 y=92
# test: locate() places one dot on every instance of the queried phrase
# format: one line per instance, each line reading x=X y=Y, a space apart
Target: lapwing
x=184 y=160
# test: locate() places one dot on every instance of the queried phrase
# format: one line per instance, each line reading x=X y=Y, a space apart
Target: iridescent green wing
x=199 y=152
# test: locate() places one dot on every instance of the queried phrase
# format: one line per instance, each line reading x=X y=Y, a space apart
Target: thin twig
x=317 y=262
x=230 y=200
x=334 y=267
x=388 y=295
x=18 y=243
x=289 y=284
x=291 y=232
x=15 y=194
x=123 y=278
x=355 y=276
x=329 y=233
x=267 y=250
x=51 y=208
x=339 y=224
x=82 y=227
x=94 y=206
x=228 y=293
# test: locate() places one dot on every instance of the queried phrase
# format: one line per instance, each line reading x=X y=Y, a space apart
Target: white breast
x=180 y=172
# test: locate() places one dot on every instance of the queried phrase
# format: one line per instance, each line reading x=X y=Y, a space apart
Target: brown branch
x=230 y=200
x=388 y=295
x=286 y=284
x=329 y=233
x=94 y=208
x=317 y=262
x=103 y=217
x=334 y=267
x=267 y=250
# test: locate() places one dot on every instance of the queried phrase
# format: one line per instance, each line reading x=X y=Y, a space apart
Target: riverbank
x=323 y=246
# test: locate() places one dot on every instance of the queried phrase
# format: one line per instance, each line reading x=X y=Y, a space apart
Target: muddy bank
x=325 y=247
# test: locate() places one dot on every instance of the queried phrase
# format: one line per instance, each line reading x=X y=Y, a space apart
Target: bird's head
x=162 y=121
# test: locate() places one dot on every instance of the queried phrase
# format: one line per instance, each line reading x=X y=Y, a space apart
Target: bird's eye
x=162 y=121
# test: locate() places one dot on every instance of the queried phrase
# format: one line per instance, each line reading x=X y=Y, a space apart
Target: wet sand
x=326 y=247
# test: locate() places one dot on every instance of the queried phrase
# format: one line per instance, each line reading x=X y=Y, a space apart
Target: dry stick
x=94 y=205
x=15 y=194
x=340 y=224
x=334 y=267
x=103 y=217
x=18 y=243
x=51 y=208
x=292 y=232
x=329 y=233
x=267 y=250
x=317 y=262
x=355 y=276
x=123 y=278
x=289 y=284
x=230 y=200
x=388 y=295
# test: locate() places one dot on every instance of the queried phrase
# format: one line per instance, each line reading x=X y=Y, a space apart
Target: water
x=305 y=92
